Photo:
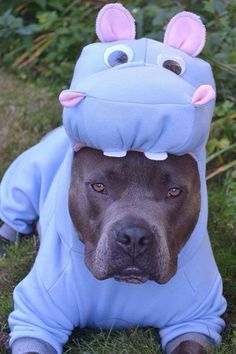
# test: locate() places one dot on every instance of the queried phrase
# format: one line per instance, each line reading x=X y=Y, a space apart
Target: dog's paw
x=189 y=347
x=3 y=250
x=4 y=341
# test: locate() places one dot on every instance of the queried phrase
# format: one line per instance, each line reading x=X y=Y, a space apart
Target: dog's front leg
x=190 y=347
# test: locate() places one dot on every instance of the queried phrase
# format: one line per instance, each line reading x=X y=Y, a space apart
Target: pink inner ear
x=186 y=31
x=114 y=22
x=70 y=98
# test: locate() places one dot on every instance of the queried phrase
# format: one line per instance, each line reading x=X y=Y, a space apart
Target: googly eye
x=169 y=62
x=117 y=55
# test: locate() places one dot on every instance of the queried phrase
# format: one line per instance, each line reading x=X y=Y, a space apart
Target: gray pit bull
x=134 y=215
x=140 y=222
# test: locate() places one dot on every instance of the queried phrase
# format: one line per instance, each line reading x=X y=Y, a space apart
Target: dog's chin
x=131 y=275
x=141 y=279
x=131 y=279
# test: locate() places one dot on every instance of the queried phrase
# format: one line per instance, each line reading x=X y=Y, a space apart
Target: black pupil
x=172 y=65
x=117 y=58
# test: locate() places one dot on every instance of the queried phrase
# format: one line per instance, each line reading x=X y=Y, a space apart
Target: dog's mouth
x=132 y=275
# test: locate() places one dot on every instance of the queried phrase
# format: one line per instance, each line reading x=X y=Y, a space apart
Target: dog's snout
x=134 y=240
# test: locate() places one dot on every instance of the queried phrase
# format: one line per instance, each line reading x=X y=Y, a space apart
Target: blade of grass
x=226 y=67
x=221 y=120
x=220 y=152
x=33 y=53
x=221 y=169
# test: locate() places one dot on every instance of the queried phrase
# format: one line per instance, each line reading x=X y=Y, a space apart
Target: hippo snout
x=145 y=108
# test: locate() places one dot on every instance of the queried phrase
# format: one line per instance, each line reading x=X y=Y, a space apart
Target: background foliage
x=45 y=37
x=40 y=40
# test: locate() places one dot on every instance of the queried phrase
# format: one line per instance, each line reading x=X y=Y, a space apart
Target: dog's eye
x=174 y=64
x=98 y=187
x=174 y=192
x=117 y=55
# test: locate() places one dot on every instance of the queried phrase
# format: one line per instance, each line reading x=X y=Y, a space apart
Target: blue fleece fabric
x=26 y=182
x=139 y=104
x=60 y=292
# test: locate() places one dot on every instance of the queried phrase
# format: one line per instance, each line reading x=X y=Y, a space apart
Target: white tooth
x=115 y=153
x=157 y=156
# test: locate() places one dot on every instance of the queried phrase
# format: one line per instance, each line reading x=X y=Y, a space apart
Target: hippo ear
x=70 y=98
x=115 y=22
x=186 y=31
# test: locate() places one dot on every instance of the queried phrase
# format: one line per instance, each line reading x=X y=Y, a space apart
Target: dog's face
x=133 y=215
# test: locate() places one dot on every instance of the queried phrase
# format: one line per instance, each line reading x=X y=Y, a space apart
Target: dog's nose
x=134 y=240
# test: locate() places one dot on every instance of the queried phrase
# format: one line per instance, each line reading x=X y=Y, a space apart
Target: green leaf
x=47 y=19
x=24 y=31
x=41 y=3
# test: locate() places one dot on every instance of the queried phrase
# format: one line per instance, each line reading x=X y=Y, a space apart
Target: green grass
x=26 y=113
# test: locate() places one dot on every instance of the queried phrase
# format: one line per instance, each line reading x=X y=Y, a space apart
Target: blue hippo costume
x=126 y=94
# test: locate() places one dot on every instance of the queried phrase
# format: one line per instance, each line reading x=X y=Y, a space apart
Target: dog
x=123 y=243
x=133 y=215
x=126 y=229
x=121 y=210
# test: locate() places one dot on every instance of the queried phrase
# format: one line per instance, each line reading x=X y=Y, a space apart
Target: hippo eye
x=174 y=192
x=98 y=187
x=117 y=55
x=174 y=64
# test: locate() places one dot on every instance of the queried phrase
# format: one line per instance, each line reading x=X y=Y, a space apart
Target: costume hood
x=144 y=95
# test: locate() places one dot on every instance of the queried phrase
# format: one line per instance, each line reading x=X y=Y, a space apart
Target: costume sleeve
x=37 y=316
x=26 y=182
x=45 y=307
x=20 y=191
x=204 y=318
